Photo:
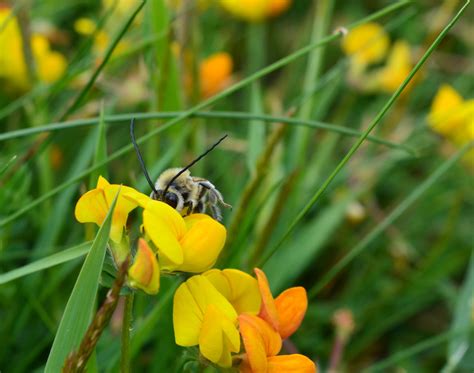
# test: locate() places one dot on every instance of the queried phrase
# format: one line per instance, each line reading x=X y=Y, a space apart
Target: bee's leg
x=214 y=195
x=216 y=212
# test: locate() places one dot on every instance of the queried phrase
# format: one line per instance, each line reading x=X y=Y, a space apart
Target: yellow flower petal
x=218 y=337
x=145 y=272
x=238 y=287
x=191 y=300
x=291 y=307
x=249 y=10
x=84 y=26
x=92 y=207
x=397 y=68
x=367 y=43
x=202 y=243
x=165 y=227
x=291 y=363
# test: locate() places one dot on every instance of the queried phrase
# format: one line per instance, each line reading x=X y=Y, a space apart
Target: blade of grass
x=45 y=263
x=6 y=165
x=389 y=219
x=462 y=321
x=187 y=113
x=100 y=150
x=363 y=137
x=322 y=16
x=79 y=308
x=124 y=119
x=413 y=350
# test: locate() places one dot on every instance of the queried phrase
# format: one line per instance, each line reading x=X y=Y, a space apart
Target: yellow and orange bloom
x=286 y=312
x=144 y=273
x=262 y=344
x=50 y=65
x=205 y=311
x=189 y=244
x=215 y=73
x=255 y=10
x=263 y=334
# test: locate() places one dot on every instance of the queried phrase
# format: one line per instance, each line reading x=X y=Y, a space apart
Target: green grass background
x=406 y=271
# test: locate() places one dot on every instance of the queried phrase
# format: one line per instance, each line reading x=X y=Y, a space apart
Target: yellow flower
x=205 y=310
x=397 y=68
x=93 y=206
x=214 y=73
x=145 y=272
x=366 y=44
x=452 y=116
x=255 y=10
x=50 y=64
x=189 y=244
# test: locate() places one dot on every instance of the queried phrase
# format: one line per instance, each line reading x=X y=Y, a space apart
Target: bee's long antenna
x=139 y=155
x=193 y=162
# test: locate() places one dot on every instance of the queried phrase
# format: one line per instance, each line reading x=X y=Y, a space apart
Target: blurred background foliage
x=411 y=279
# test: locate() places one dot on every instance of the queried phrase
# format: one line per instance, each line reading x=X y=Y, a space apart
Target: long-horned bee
x=185 y=193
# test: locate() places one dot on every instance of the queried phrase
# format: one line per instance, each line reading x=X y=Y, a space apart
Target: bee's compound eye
x=171 y=199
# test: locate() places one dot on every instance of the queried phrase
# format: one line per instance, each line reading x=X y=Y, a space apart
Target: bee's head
x=170 y=198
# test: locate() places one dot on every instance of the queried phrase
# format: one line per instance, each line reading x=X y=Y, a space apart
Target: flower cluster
x=453 y=117
x=369 y=44
x=49 y=64
x=231 y=316
x=218 y=308
x=185 y=244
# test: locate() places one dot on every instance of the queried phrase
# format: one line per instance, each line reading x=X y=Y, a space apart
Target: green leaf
x=45 y=263
x=462 y=321
x=78 y=312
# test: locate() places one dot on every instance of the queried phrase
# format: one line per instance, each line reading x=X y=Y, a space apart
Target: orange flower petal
x=145 y=272
x=291 y=307
x=291 y=363
x=268 y=309
x=256 y=356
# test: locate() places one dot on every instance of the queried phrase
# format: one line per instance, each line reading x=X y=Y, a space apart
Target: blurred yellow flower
x=215 y=73
x=205 y=310
x=50 y=65
x=145 y=272
x=88 y=27
x=452 y=116
x=397 y=68
x=366 y=44
x=255 y=10
x=189 y=244
x=93 y=206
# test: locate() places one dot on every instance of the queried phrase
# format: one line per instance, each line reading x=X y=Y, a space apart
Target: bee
x=185 y=193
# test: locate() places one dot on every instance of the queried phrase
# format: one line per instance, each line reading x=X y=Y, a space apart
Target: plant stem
x=126 y=322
